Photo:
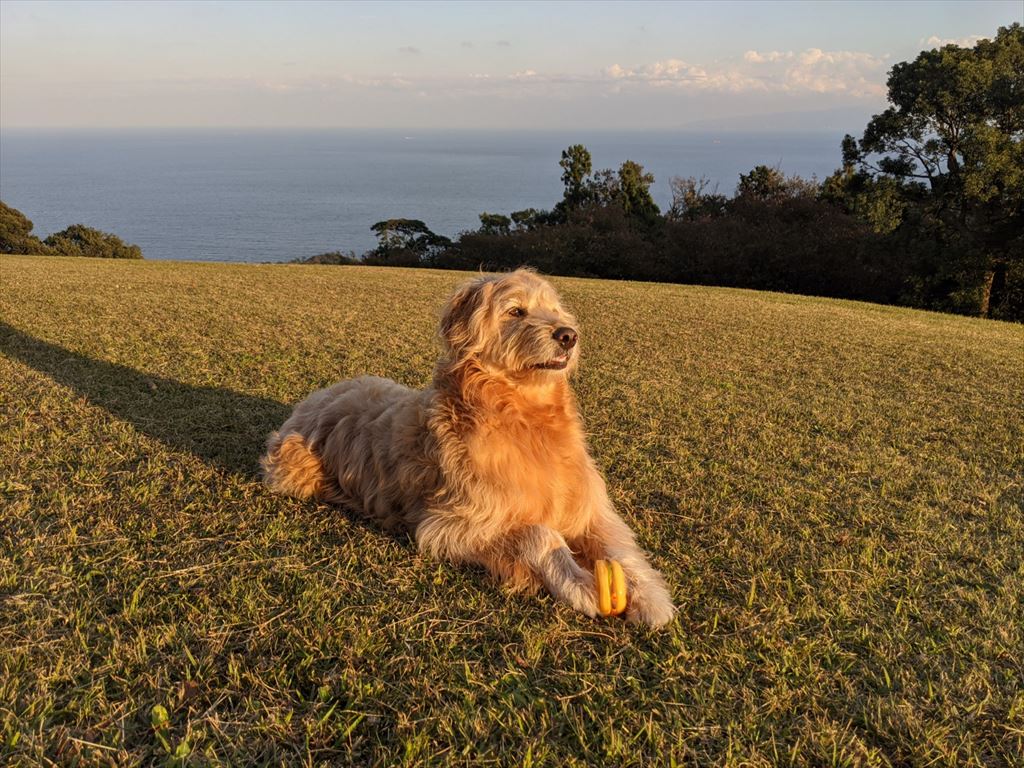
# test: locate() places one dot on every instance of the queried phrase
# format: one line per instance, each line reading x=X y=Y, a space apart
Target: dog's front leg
x=547 y=554
x=608 y=537
x=520 y=558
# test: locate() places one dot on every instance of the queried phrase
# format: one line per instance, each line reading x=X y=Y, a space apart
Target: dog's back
x=360 y=443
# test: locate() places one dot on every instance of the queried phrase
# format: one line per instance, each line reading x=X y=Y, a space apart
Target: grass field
x=834 y=491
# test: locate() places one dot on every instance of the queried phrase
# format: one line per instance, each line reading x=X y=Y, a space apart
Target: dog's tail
x=291 y=467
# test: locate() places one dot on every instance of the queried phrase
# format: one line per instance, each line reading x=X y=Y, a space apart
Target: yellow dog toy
x=611 y=587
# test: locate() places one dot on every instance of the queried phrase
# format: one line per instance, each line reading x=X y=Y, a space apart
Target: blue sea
x=221 y=195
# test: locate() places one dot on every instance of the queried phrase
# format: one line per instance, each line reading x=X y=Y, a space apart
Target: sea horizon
x=277 y=194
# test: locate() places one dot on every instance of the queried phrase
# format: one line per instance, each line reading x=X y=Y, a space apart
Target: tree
x=762 y=183
x=528 y=218
x=770 y=184
x=635 y=192
x=630 y=188
x=16 y=232
x=495 y=223
x=576 y=168
x=692 y=199
x=603 y=189
x=956 y=126
x=80 y=240
x=881 y=202
x=406 y=241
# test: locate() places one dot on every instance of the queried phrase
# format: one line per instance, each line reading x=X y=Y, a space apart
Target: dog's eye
x=517 y=312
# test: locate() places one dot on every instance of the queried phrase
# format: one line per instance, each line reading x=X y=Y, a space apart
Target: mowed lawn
x=833 y=489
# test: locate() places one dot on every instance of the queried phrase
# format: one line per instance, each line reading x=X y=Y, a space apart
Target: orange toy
x=611 y=587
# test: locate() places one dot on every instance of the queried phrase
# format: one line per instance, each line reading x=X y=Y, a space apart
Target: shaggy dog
x=489 y=465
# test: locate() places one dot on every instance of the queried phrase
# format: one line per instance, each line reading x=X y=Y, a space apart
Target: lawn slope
x=833 y=489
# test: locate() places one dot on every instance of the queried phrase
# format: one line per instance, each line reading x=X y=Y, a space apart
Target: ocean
x=221 y=195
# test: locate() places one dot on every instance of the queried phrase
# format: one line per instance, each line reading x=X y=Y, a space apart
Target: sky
x=487 y=65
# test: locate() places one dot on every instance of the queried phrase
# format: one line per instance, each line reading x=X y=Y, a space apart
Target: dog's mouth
x=554 y=364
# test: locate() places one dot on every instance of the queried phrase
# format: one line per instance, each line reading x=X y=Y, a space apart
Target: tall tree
x=635 y=190
x=955 y=132
x=576 y=168
x=495 y=223
x=525 y=219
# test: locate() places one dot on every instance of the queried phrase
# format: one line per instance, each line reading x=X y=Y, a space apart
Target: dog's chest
x=532 y=469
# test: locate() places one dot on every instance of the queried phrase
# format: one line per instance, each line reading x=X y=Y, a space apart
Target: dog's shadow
x=221 y=426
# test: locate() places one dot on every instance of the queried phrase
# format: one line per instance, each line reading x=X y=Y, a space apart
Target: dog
x=489 y=465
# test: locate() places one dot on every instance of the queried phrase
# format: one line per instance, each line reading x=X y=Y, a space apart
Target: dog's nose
x=565 y=336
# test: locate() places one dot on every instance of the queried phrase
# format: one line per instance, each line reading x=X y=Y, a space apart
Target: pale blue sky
x=472 y=65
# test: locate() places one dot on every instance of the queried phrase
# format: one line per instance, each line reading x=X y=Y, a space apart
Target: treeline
x=77 y=240
x=927 y=209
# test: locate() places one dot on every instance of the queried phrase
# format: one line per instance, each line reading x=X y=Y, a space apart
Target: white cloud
x=964 y=42
x=659 y=73
x=812 y=70
x=853 y=72
x=760 y=58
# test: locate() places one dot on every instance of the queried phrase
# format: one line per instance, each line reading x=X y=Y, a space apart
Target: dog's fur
x=489 y=465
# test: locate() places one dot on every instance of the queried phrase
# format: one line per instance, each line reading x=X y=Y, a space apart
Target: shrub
x=80 y=240
x=331 y=257
x=16 y=232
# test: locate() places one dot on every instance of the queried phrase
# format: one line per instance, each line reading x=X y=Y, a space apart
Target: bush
x=80 y=240
x=331 y=257
x=595 y=241
x=797 y=245
x=16 y=232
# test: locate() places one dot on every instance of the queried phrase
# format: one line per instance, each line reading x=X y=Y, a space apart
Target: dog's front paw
x=569 y=583
x=650 y=604
x=581 y=594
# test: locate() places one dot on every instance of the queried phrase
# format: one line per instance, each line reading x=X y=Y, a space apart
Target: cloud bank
x=665 y=92
x=852 y=73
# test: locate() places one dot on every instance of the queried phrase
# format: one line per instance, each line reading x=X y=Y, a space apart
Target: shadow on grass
x=221 y=426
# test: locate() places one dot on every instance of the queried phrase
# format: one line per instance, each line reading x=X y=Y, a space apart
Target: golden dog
x=489 y=465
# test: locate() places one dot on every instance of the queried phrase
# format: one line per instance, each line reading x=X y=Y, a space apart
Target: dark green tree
x=528 y=218
x=635 y=192
x=80 y=240
x=762 y=183
x=956 y=126
x=576 y=168
x=495 y=224
x=16 y=232
x=408 y=242
x=880 y=201
x=768 y=184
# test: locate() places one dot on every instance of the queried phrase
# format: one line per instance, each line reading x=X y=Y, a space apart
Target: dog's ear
x=462 y=313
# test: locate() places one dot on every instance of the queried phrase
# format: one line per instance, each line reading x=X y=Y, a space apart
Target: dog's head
x=514 y=324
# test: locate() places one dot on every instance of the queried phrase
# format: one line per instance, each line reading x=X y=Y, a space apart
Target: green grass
x=833 y=489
